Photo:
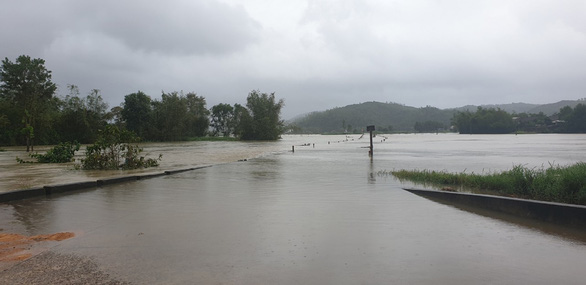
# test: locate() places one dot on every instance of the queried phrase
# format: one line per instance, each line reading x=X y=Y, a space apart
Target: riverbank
x=562 y=184
x=565 y=215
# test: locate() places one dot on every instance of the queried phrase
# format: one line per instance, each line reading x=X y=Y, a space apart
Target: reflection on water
x=569 y=233
x=316 y=216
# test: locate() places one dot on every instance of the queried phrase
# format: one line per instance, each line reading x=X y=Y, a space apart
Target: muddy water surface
x=319 y=215
x=180 y=155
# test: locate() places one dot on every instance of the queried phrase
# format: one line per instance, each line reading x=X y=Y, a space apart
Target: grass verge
x=564 y=184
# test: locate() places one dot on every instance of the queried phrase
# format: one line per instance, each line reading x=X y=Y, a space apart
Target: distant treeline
x=497 y=121
x=31 y=113
x=393 y=117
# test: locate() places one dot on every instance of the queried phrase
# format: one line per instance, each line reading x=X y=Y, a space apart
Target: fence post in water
x=292 y=148
x=370 y=129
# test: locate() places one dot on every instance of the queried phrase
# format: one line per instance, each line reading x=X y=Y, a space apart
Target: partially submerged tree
x=116 y=149
x=484 y=121
x=222 y=117
x=242 y=121
x=61 y=153
x=81 y=118
x=137 y=113
x=263 y=121
x=196 y=118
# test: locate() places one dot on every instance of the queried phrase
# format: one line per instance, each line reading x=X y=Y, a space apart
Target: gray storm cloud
x=314 y=54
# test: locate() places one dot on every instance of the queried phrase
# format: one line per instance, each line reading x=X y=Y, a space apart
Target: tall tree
x=137 y=113
x=96 y=112
x=221 y=119
x=484 y=121
x=265 y=112
x=241 y=122
x=115 y=117
x=81 y=118
x=197 y=115
x=577 y=119
x=26 y=84
x=10 y=122
x=170 y=117
x=73 y=124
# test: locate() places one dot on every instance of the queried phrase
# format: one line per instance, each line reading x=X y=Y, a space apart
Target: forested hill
x=550 y=109
x=400 y=118
x=383 y=115
x=547 y=109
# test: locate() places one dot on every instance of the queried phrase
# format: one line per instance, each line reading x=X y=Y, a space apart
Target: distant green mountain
x=383 y=115
x=401 y=118
x=509 y=108
x=550 y=109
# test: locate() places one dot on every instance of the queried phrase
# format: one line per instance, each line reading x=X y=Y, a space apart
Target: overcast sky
x=316 y=55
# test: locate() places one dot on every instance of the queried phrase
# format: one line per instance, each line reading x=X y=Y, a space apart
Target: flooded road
x=319 y=215
x=176 y=155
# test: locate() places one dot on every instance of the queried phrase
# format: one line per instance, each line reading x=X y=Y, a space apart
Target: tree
x=9 y=125
x=197 y=115
x=428 y=126
x=81 y=118
x=137 y=113
x=27 y=85
x=170 y=117
x=177 y=117
x=565 y=113
x=484 y=121
x=221 y=118
x=96 y=105
x=73 y=123
x=264 y=112
x=577 y=119
x=241 y=122
x=116 y=149
x=96 y=114
x=115 y=116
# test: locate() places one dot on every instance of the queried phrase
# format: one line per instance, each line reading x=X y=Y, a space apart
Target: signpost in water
x=370 y=129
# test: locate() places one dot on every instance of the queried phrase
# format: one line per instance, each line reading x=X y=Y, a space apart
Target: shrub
x=116 y=149
x=61 y=153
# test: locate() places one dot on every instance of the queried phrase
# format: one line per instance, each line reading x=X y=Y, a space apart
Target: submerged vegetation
x=116 y=149
x=61 y=153
x=564 y=184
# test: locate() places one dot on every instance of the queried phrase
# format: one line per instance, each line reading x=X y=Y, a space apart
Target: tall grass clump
x=562 y=184
x=556 y=183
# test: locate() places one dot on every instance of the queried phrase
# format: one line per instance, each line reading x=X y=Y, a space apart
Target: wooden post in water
x=370 y=129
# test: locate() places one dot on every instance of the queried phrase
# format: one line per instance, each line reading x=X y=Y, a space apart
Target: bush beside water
x=555 y=184
x=116 y=149
x=61 y=153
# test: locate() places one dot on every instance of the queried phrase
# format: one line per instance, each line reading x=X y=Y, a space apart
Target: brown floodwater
x=319 y=215
x=178 y=155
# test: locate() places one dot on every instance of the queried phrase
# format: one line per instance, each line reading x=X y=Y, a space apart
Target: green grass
x=556 y=184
